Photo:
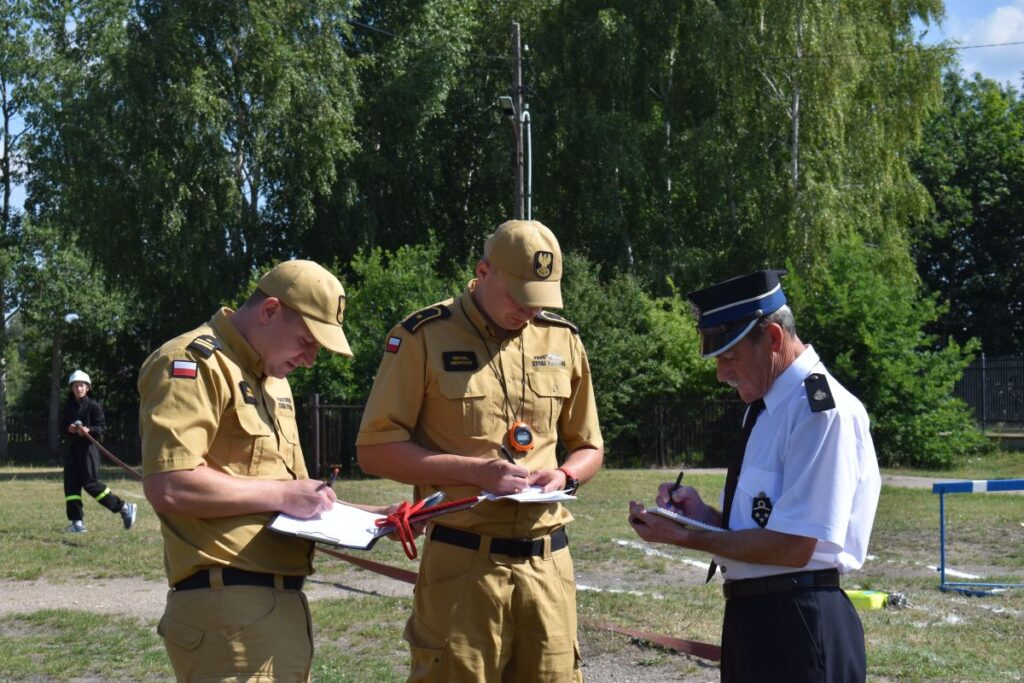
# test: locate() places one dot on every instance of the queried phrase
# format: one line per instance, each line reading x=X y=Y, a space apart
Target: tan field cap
x=527 y=253
x=314 y=293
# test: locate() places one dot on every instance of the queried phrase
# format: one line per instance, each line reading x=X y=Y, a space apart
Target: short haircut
x=783 y=317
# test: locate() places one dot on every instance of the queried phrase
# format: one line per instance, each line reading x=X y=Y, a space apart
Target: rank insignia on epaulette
x=819 y=395
x=762 y=509
x=205 y=345
x=414 y=321
x=247 y=393
x=555 y=319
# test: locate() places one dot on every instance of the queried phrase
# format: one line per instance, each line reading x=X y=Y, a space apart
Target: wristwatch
x=571 y=482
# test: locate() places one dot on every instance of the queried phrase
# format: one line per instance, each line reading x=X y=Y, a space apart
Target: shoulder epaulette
x=425 y=315
x=819 y=395
x=555 y=319
x=205 y=345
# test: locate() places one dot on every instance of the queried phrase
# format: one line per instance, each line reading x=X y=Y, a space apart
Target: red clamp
x=400 y=520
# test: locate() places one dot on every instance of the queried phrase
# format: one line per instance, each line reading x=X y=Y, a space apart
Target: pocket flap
x=550 y=384
x=460 y=385
x=250 y=420
x=179 y=634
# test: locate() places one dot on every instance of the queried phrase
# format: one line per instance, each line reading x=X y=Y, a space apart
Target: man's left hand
x=548 y=480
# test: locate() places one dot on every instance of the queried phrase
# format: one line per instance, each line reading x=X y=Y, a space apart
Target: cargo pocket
x=428 y=653
x=548 y=392
x=248 y=442
x=289 y=447
x=468 y=405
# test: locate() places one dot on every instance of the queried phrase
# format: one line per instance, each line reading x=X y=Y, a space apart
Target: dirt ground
x=144 y=600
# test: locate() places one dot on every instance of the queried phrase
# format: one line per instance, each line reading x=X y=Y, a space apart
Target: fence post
x=314 y=416
x=984 y=394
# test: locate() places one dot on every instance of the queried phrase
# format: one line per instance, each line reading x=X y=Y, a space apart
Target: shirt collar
x=791 y=378
x=233 y=340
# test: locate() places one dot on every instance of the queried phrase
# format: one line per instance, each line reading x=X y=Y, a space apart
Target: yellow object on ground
x=867 y=599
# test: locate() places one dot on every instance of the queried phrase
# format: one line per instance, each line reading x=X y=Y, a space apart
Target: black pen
x=507 y=454
x=334 y=477
x=679 y=482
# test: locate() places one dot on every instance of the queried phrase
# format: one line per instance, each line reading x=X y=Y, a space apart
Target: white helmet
x=79 y=376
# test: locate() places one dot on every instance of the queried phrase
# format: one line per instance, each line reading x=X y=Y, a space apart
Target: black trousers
x=809 y=634
x=81 y=470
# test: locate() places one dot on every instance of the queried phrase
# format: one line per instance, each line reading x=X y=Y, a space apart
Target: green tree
x=15 y=72
x=968 y=250
x=865 y=315
x=198 y=138
x=70 y=308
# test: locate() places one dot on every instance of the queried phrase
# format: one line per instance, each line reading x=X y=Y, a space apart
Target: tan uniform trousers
x=237 y=634
x=483 y=617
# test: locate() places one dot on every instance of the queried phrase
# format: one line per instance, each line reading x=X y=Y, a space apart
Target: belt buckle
x=521 y=547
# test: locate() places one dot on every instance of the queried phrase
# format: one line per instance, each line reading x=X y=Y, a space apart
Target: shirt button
x=554 y=388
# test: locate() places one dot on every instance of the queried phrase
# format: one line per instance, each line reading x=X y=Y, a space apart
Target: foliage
x=864 y=314
x=388 y=286
x=968 y=250
x=640 y=348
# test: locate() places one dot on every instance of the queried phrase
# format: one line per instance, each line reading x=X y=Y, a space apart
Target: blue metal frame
x=983 y=486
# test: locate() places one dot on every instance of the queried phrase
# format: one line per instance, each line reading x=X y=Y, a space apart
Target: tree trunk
x=53 y=420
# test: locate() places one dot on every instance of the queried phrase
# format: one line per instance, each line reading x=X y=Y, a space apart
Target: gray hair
x=783 y=317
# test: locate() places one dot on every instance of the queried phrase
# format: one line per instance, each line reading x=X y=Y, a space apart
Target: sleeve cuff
x=376 y=438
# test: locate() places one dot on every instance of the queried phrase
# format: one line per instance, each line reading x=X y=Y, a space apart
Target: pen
x=333 y=477
x=507 y=454
x=679 y=482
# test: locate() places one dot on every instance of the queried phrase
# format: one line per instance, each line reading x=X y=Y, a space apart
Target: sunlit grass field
x=940 y=636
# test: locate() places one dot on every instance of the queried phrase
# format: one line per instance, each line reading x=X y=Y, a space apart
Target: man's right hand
x=502 y=477
x=686 y=500
x=307 y=498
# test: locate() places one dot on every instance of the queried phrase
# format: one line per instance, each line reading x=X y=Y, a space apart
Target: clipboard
x=345 y=526
x=688 y=522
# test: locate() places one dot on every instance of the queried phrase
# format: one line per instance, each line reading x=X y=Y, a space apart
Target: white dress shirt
x=818 y=470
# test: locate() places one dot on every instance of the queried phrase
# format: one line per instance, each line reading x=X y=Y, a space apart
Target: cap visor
x=533 y=293
x=331 y=337
x=716 y=341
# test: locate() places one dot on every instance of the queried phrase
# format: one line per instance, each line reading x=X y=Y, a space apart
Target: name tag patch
x=285 y=404
x=184 y=369
x=460 y=361
x=548 y=360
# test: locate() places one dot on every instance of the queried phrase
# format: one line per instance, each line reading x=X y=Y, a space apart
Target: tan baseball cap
x=314 y=293
x=527 y=253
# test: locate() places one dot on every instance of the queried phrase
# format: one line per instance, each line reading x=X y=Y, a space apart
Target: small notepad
x=683 y=519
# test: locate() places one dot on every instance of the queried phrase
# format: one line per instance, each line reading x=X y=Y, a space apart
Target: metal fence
x=666 y=432
x=27 y=442
x=994 y=389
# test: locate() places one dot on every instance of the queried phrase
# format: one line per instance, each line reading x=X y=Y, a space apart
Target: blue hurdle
x=982 y=486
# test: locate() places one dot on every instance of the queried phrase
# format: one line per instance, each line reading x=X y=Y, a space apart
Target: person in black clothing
x=83 y=415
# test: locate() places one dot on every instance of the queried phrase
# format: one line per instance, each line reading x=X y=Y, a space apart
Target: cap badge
x=542 y=264
x=341 y=308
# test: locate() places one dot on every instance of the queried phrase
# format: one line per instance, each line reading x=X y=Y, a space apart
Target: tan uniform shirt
x=440 y=388
x=214 y=407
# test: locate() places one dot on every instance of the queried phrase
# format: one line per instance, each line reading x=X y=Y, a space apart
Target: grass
x=940 y=636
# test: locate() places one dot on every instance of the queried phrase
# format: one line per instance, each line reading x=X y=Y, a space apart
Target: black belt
x=238 y=577
x=513 y=547
x=781 y=583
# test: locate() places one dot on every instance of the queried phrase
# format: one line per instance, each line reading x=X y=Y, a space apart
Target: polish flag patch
x=186 y=369
x=393 y=344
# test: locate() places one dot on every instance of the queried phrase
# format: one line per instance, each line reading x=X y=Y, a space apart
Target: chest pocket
x=251 y=439
x=290 y=450
x=548 y=391
x=754 y=482
x=468 y=401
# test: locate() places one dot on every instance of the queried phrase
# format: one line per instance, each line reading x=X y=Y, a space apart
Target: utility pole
x=517 y=109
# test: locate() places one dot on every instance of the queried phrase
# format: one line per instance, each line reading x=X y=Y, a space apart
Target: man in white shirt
x=799 y=500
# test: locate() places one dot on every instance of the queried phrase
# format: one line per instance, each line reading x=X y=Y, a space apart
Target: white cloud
x=1003 y=24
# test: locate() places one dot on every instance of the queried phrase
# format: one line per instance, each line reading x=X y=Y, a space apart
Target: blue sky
x=982 y=22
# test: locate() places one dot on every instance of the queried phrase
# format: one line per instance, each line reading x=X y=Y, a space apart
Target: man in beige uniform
x=220 y=455
x=496 y=597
